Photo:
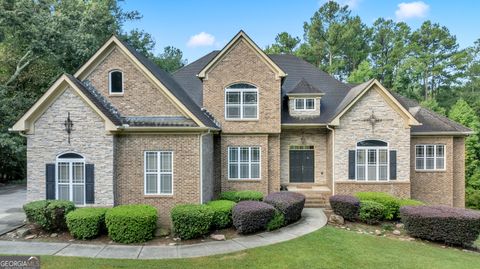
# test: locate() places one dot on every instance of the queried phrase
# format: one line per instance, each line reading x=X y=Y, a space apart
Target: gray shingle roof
x=303 y=87
x=166 y=79
x=163 y=121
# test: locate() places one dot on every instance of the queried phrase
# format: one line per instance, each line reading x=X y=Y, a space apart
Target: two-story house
x=121 y=131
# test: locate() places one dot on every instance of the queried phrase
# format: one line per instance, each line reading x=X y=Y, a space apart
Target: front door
x=302 y=164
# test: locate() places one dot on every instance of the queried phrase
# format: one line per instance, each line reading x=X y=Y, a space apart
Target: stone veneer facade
x=353 y=128
x=88 y=139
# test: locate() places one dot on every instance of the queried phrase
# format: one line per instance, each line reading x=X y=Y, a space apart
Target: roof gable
x=305 y=88
x=356 y=94
x=26 y=122
x=241 y=36
x=165 y=82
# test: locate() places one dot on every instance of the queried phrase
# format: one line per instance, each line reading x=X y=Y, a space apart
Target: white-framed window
x=304 y=104
x=70 y=178
x=244 y=162
x=115 y=82
x=372 y=161
x=430 y=157
x=158 y=172
x=241 y=101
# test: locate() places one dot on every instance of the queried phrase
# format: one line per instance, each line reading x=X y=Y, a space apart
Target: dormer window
x=241 y=101
x=305 y=104
x=115 y=82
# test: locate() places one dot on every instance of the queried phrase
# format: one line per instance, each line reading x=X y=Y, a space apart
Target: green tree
x=363 y=73
x=284 y=44
x=171 y=59
x=433 y=105
x=389 y=46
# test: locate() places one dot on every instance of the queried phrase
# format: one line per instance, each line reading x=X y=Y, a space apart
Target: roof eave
x=443 y=133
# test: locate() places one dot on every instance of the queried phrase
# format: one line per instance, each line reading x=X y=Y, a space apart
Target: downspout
x=201 y=165
x=333 y=158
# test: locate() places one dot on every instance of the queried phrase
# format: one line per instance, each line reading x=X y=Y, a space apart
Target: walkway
x=312 y=219
x=12 y=198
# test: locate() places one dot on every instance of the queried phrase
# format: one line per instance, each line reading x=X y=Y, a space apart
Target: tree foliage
x=284 y=44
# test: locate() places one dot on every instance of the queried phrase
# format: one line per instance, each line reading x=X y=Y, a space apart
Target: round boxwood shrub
x=252 y=216
x=346 y=206
x=371 y=212
x=56 y=211
x=289 y=203
x=86 y=223
x=48 y=214
x=277 y=222
x=131 y=223
x=237 y=196
x=192 y=220
x=391 y=204
x=450 y=225
x=35 y=212
x=222 y=213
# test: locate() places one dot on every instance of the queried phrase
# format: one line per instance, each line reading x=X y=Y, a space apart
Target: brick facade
x=88 y=139
x=398 y=188
x=141 y=97
x=129 y=174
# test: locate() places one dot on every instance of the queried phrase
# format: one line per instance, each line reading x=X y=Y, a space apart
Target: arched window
x=70 y=178
x=241 y=101
x=115 y=82
x=372 y=160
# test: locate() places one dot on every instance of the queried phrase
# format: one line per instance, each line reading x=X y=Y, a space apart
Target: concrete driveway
x=12 y=198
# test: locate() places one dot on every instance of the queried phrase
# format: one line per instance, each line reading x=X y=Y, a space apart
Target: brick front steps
x=316 y=195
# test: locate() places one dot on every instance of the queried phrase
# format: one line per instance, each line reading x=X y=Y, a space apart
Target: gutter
x=333 y=158
x=201 y=164
x=127 y=128
x=442 y=133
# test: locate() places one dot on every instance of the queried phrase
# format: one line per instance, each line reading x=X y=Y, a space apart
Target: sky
x=198 y=27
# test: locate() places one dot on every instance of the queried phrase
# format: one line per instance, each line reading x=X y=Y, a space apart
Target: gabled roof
x=241 y=36
x=27 y=122
x=163 y=79
x=304 y=88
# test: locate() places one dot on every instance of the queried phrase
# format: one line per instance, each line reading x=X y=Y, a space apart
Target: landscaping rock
x=54 y=235
x=336 y=219
x=172 y=244
x=30 y=236
x=218 y=237
x=378 y=232
x=11 y=235
x=396 y=232
x=22 y=232
x=399 y=225
x=176 y=239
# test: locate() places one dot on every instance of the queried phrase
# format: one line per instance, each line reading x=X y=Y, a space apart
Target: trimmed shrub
x=289 y=203
x=56 y=212
x=450 y=225
x=277 y=222
x=192 y=220
x=49 y=214
x=252 y=216
x=237 y=196
x=346 y=206
x=131 y=223
x=35 y=212
x=408 y=202
x=371 y=212
x=222 y=213
x=391 y=204
x=86 y=223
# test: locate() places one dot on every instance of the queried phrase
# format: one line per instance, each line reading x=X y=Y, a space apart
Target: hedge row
x=86 y=223
x=237 y=196
x=289 y=203
x=252 y=216
x=131 y=223
x=450 y=225
x=49 y=214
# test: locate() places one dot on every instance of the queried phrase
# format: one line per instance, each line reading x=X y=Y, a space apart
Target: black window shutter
x=89 y=184
x=351 y=164
x=50 y=180
x=393 y=164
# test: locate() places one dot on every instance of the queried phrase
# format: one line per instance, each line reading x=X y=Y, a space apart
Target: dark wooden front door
x=302 y=166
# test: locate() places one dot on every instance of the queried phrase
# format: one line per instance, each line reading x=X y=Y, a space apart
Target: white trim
x=110 y=82
x=70 y=183
x=158 y=173
x=304 y=104
x=249 y=163
x=377 y=161
x=241 y=104
x=425 y=169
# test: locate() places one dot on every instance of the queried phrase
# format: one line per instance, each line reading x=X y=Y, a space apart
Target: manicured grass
x=327 y=248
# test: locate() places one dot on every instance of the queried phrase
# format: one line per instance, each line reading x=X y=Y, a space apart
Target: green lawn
x=326 y=248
